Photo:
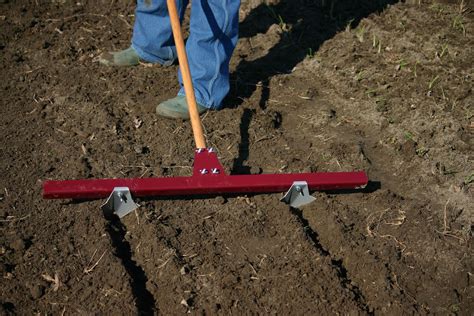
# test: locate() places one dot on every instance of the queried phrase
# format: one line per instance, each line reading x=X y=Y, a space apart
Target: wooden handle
x=186 y=74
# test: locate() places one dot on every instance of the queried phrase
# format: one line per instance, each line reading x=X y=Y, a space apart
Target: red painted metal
x=208 y=178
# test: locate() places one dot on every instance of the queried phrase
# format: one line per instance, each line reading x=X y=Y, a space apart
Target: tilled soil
x=341 y=85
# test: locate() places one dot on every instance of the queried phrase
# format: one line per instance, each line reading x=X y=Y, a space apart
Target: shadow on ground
x=305 y=25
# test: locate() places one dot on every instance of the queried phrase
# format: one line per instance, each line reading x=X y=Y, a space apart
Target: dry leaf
x=54 y=280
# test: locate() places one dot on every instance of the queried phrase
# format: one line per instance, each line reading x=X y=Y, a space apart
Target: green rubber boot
x=177 y=108
x=123 y=58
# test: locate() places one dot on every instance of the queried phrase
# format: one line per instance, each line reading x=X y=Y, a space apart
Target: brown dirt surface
x=382 y=86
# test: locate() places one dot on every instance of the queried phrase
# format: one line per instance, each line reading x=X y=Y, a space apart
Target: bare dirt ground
x=382 y=86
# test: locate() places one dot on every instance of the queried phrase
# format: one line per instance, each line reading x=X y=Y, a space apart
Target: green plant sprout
x=360 y=75
x=360 y=33
x=444 y=50
x=421 y=151
x=415 y=69
x=437 y=7
x=469 y=179
x=349 y=25
x=402 y=63
x=376 y=42
x=433 y=82
x=458 y=24
x=409 y=136
x=278 y=18
x=371 y=92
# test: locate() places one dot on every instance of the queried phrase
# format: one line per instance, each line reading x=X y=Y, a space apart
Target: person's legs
x=152 y=37
x=152 y=40
x=213 y=35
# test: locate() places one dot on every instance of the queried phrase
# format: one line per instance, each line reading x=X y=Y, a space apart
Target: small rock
x=60 y=100
x=185 y=270
x=36 y=291
x=116 y=148
x=138 y=149
x=137 y=122
x=408 y=149
x=141 y=149
x=18 y=245
x=309 y=168
x=184 y=303
x=220 y=200
x=256 y=170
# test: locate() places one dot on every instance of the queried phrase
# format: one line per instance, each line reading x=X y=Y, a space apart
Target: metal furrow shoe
x=298 y=195
x=120 y=202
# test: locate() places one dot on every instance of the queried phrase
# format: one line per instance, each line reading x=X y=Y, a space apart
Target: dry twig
x=90 y=267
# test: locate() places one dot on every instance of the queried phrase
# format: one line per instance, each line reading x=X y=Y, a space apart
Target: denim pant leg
x=152 y=37
x=214 y=29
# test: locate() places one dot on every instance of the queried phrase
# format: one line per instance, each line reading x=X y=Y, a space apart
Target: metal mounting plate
x=298 y=195
x=120 y=202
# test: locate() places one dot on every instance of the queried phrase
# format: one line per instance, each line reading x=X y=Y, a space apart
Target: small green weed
x=409 y=136
x=458 y=24
x=360 y=75
x=421 y=151
x=402 y=63
x=469 y=179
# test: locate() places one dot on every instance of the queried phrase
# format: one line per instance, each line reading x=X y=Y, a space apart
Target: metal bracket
x=298 y=195
x=120 y=202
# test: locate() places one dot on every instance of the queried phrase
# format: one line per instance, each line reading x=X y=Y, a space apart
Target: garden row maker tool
x=208 y=176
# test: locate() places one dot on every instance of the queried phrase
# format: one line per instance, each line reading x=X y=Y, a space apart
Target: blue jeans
x=213 y=35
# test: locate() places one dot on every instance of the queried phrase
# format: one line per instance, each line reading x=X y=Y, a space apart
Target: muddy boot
x=177 y=108
x=126 y=57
